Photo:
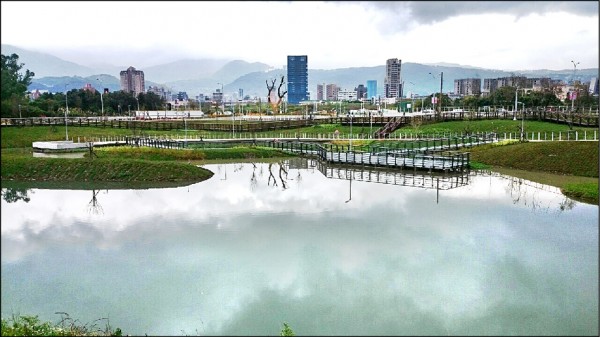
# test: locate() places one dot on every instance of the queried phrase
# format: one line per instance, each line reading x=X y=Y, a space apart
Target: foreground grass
x=565 y=165
x=27 y=325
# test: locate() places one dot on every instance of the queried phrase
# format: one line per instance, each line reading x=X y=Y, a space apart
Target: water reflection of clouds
x=219 y=201
x=390 y=261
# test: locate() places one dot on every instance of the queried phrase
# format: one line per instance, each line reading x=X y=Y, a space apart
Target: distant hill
x=58 y=83
x=204 y=75
x=183 y=70
x=45 y=64
x=234 y=69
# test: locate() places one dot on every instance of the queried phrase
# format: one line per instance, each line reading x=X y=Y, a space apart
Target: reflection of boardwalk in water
x=402 y=178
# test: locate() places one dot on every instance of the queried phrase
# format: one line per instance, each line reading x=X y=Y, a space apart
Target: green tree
x=504 y=96
x=286 y=331
x=14 y=85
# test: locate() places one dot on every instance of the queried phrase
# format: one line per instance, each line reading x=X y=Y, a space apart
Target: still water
x=329 y=250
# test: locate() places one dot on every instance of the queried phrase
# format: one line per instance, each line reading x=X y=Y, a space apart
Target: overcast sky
x=503 y=35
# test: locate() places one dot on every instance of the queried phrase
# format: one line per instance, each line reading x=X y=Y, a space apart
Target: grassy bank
x=25 y=168
x=122 y=164
x=198 y=154
x=24 y=136
x=572 y=158
x=498 y=126
x=570 y=166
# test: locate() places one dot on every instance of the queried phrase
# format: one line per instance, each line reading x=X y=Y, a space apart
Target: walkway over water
x=422 y=154
x=416 y=159
x=427 y=155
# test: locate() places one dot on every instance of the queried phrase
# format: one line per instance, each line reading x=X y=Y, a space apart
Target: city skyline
x=488 y=34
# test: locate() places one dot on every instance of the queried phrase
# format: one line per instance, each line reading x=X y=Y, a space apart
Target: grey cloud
x=423 y=12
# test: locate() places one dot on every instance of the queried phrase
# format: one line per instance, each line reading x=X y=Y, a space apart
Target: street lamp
x=20 y=111
x=516 y=101
x=232 y=118
x=223 y=104
x=66 y=112
x=412 y=97
x=362 y=110
x=573 y=96
x=441 y=85
x=101 y=100
x=185 y=126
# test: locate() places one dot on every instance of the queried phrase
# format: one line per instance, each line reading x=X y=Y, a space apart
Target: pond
x=330 y=250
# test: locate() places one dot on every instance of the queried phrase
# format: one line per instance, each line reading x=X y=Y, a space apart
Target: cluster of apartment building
x=132 y=81
x=472 y=86
x=392 y=87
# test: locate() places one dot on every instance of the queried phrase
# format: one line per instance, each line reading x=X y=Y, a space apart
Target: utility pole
x=441 y=85
x=66 y=111
x=440 y=99
x=101 y=100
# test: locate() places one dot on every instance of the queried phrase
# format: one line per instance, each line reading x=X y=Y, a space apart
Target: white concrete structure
x=63 y=145
x=158 y=114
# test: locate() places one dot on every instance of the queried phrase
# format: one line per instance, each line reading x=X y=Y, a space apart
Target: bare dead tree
x=270 y=89
x=279 y=93
x=275 y=106
x=92 y=154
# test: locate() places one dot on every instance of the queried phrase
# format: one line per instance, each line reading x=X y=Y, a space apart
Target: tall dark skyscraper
x=297 y=78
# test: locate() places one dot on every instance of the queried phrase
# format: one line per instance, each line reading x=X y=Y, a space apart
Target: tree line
x=15 y=101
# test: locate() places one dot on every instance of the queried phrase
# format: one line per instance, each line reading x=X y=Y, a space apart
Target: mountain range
x=204 y=76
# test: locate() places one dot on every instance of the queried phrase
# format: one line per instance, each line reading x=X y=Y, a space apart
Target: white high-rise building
x=392 y=83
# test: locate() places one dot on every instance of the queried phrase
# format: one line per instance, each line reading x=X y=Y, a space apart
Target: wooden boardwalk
x=386 y=124
x=433 y=157
x=438 y=155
